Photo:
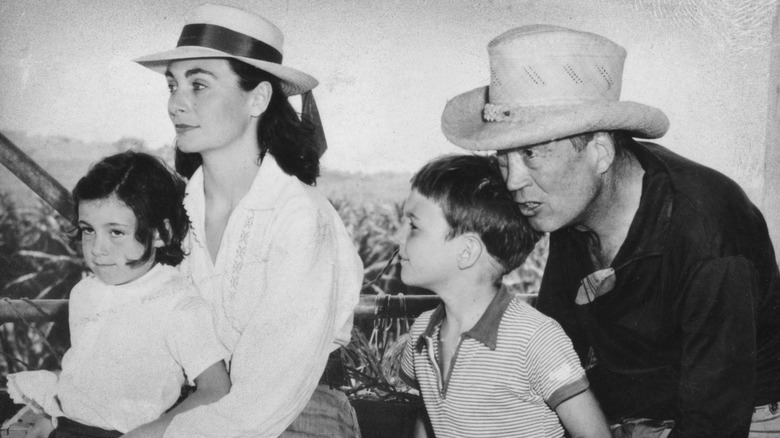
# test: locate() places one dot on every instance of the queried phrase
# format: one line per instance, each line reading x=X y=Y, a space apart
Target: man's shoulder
x=709 y=209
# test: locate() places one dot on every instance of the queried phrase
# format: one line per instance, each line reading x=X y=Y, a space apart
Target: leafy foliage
x=36 y=262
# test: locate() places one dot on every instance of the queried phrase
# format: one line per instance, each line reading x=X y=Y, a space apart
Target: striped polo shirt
x=508 y=373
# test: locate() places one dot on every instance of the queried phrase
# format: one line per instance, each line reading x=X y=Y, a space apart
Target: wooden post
x=770 y=202
x=36 y=178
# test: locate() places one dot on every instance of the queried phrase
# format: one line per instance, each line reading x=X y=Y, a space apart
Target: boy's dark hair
x=473 y=195
x=150 y=189
x=281 y=132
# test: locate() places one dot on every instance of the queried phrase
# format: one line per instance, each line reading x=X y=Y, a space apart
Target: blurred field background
x=38 y=262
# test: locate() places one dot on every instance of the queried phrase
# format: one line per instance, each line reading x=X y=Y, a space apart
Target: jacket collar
x=268 y=185
x=484 y=331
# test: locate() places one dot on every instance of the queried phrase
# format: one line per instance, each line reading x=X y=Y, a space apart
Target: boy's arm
x=212 y=384
x=419 y=427
x=581 y=416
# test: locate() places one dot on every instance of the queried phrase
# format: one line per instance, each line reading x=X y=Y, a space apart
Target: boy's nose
x=399 y=237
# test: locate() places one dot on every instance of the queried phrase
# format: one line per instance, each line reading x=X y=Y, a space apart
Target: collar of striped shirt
x=484 y=331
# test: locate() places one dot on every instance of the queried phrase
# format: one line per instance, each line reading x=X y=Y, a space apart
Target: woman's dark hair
x=147 y=187
x=280 y=132
x=473 y=196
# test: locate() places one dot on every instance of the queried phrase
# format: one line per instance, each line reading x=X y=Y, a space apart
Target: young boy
x=486 y=363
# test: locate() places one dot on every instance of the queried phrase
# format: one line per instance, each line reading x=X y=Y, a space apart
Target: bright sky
x=387 y=67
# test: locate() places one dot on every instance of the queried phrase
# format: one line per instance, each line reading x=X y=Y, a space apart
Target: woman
x=266 y=250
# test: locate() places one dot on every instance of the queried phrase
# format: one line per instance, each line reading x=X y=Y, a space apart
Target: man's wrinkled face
x=553 y=183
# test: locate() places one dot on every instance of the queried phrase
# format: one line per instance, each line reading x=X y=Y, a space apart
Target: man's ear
x=470 y=250
x=157 y=240
x=604 y=148
x=260 y=97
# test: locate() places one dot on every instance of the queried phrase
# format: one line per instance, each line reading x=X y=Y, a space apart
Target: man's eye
x=171 y=88
x=197 y=86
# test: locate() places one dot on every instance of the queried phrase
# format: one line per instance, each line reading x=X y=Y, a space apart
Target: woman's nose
x=177 y=103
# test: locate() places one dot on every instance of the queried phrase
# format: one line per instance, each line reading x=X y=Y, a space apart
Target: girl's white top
x=131 y=347
x=282 y=291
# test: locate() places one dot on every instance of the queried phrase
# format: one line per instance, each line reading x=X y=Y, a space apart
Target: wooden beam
x=32 y=174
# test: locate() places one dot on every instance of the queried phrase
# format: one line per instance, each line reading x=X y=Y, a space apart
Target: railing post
x=32 y=174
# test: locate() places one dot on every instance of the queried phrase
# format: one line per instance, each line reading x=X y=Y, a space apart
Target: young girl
x=138 y=328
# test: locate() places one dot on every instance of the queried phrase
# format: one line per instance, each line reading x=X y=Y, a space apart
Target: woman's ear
x=470 y=250
x=157 y=240
x=260 y=97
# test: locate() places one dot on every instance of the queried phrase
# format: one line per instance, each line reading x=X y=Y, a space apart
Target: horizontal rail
x=31 y=310
x=369 y=307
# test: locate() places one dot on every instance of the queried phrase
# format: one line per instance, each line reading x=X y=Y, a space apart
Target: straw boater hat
x=217 y=31
x=547 y=83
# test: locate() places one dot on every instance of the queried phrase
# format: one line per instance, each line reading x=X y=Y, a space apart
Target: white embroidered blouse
x=282 y=292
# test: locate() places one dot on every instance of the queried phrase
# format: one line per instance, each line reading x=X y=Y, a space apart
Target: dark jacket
x=691 y=329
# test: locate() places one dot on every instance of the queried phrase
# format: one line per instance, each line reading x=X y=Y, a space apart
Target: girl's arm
x=212 y=384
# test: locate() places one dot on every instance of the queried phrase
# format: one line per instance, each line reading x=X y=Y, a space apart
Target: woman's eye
x=87 y=231
x=117 y=233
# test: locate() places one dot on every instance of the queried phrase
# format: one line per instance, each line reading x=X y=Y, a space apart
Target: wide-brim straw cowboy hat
x=547 y=83
x=217 y=31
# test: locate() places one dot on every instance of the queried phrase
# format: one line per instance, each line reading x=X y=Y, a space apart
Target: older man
x=660 y=270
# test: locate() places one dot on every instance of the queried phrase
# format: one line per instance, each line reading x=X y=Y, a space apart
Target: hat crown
x=543 y=65
x=238 y=20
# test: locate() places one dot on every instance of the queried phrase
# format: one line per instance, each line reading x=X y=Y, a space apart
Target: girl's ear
x=157 y=241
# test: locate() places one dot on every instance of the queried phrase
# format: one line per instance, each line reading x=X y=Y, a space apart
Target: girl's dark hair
x=281 y=131
x=473 y=196
x=150 y=189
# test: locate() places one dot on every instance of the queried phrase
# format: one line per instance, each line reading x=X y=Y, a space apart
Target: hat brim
x=292 y=81
x=463 y=124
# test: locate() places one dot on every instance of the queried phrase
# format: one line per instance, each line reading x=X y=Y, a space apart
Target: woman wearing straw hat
x=266 y=250
x=660 y=270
